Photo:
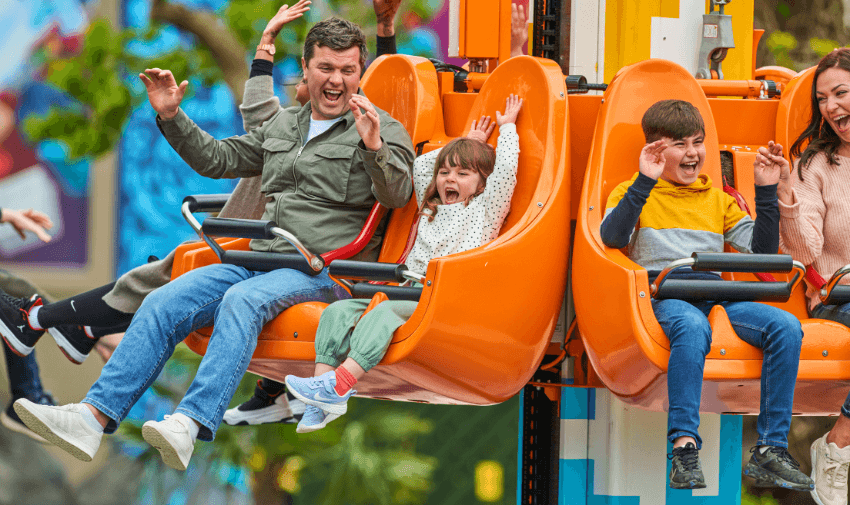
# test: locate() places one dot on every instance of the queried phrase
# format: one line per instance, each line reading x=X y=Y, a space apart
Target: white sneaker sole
x=68 y=350
x=167 y=451
x=36 y=424
x=267 y=415
x=316 y=427
x=17 y=427
x=331 y=408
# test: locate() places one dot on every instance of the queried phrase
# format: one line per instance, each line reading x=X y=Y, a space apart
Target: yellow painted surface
x=739 y=61
x=628 y=33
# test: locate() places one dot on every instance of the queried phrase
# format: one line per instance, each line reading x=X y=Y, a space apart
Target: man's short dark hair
x=674 y=119
x=337 y=34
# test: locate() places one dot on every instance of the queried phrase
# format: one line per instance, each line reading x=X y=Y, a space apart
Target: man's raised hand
x=367 y=121
x=163 y=92
x=652 y=160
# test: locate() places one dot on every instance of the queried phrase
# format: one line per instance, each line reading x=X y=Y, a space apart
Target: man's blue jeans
x=237 y=301
x=839 y=314
x=776 y=332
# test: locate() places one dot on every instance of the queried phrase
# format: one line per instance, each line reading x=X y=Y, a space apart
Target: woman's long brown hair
x=819 y=135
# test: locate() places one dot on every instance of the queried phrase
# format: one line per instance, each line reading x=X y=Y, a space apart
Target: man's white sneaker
x=829 y=471
x=63 y=426
x=172 y=439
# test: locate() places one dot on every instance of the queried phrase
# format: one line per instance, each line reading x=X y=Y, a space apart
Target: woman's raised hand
x=512 y=106
x=284 y=15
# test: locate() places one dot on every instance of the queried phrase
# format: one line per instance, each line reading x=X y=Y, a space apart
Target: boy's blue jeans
x=839 y=314
x=776 y=332
x=237 y=300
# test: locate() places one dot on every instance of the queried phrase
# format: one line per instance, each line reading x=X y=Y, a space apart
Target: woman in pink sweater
x=813 y=228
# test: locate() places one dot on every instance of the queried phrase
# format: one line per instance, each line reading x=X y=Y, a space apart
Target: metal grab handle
x=833 y=294
x=315 y=262
x=733 y=263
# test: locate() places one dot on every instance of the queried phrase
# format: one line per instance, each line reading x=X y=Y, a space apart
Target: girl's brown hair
x=819 y=136
x=466 y=153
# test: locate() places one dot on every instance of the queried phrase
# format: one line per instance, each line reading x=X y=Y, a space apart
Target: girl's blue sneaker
x=319 y=392
x=314 y=419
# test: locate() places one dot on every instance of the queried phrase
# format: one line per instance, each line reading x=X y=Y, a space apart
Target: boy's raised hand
x=652 y=160
x=163 y=92
x=512 y=106
x=482 y=129
x=771 y=168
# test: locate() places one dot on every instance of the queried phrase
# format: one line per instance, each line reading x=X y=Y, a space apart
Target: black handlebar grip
x=366 y=290
x=733 y=262
x=241 y=228
x=365 y=271
x=267 y=261
x=206 y=203
x=737 y=291
x=839 y=296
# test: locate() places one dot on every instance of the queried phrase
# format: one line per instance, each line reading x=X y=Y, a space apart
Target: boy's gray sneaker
x=776 y=468
x=686 y=470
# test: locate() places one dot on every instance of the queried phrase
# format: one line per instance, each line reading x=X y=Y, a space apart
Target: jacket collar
x=307 y=110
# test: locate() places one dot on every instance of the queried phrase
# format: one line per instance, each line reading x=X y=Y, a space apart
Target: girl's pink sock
x=344 y=381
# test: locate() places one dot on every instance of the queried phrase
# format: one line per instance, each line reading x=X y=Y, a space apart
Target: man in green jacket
x=322 y=167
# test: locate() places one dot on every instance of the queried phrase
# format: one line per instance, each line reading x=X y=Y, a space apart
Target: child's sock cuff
x=32 y=318
x=344 y=381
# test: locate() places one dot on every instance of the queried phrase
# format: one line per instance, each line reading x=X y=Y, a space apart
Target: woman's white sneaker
x=63 y=426
x=829 y=471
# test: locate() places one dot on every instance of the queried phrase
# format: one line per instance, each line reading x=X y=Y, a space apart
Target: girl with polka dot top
x=464 y=193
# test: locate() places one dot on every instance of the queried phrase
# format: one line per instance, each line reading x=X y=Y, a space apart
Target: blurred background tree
x=799 y=33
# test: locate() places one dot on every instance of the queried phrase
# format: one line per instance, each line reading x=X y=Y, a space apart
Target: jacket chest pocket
x=327 y=171
x=277 y=170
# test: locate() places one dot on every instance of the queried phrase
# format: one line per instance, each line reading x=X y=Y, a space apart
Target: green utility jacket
x=320 y=191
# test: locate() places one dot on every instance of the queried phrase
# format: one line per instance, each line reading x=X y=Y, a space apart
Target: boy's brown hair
x=470 y=154
x=675 y=119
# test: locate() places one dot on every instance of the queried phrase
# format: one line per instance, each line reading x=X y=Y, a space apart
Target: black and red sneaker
x=73 y=341
x=14 y=323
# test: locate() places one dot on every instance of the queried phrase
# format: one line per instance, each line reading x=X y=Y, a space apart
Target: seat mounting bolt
x=295 y=334
x=825 y=353
x=723 y=352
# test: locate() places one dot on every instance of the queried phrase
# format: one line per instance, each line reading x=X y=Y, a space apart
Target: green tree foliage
x=101 y=78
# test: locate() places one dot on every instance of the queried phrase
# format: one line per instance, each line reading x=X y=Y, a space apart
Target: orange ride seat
x=485 y=316
x=625 y=344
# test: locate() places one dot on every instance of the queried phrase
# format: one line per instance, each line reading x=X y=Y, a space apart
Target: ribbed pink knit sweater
x=816 y=228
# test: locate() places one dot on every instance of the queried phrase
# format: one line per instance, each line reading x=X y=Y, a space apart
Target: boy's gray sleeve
x=259 y=104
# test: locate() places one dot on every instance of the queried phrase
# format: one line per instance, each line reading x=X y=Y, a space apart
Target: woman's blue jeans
x=238 y=301
x=776 y=332
x=839 y=314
